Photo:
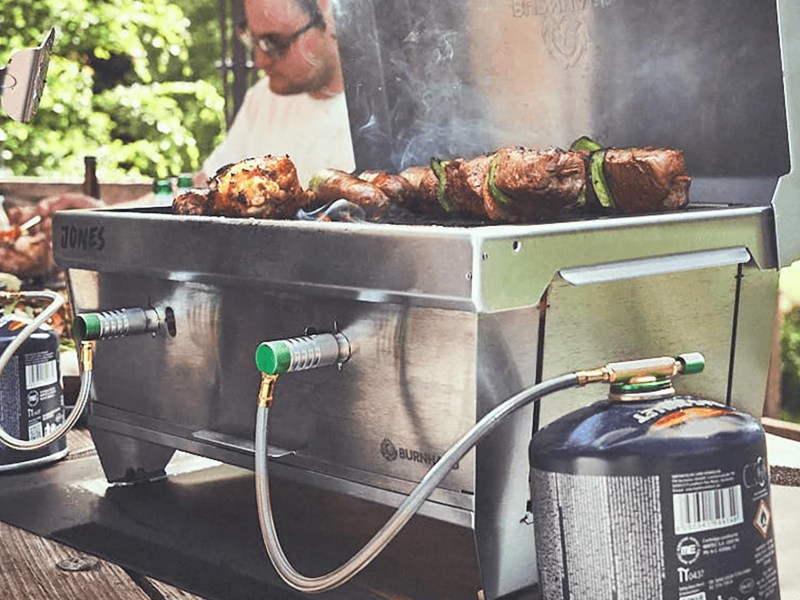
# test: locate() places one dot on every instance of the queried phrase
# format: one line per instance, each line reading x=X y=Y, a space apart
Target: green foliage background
x=132 y=82
x=790 y=365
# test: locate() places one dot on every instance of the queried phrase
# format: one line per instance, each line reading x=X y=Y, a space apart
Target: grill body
x=445 y=323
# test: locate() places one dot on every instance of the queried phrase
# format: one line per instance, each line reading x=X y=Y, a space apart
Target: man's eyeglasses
x=276 y=45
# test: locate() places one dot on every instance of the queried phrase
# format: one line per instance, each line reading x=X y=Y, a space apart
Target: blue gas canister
x=31 y=395
x=651 y=495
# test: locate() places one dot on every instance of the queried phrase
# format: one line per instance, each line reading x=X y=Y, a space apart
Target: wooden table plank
x=29 y=570
x=28 y=563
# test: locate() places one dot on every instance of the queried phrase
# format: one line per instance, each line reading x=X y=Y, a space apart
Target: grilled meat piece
x=396 y=188
x=332 y=184
x=462 y=186
x=529 y=185
x=265 y=187
x=646 y=179
x=422 y=194
x=194 y=201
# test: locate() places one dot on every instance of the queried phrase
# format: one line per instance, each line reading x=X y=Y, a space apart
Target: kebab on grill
x=330 y=185
x=635 y=180
x=265 y=188
x=511 y=185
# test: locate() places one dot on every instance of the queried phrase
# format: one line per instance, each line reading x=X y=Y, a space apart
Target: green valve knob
x=273 y=358
x=87 y=327
x=693 y=362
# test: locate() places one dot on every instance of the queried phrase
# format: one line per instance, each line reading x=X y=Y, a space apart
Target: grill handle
x=658 y=265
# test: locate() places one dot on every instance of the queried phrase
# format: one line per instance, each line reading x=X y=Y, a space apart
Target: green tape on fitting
x=273 y=358
x=693 y=362
x=87 y=327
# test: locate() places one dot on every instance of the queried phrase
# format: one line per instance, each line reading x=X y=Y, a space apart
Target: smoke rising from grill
x=452 y=78
x=423 y=73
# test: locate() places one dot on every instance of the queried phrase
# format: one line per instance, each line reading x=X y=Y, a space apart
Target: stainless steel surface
x=444 y=323
x=23 y=79
x=458 y=79
x=787 y=209
x=484 y=268
x=658 y=265
x=659 y=315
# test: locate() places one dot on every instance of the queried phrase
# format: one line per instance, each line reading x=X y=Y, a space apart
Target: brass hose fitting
x=665 y=367
x=267 y=390
x=87 y=356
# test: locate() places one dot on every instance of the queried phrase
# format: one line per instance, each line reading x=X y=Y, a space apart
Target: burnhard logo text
x=668 y=406
x=82 y=238
x=388 y=450
x=524 y=8
x=391 y=453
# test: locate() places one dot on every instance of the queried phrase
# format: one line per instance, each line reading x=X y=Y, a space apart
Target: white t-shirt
x=314 y=133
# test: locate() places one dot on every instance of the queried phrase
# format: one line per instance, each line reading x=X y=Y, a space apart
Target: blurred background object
x=134 y=84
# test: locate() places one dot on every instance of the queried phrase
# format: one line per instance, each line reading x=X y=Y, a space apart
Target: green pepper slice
x=495 y=192
x=599 y=179
x=438 y=168
x=585 y=143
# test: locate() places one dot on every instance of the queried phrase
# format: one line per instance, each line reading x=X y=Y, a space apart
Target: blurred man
x=298 y=108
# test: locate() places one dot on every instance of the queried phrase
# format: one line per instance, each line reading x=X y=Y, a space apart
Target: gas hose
x=431 y=480
x=87 y=349
x=615 y=373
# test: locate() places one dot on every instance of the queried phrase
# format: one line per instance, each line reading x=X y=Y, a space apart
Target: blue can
x=31 y=395
x=653 y=495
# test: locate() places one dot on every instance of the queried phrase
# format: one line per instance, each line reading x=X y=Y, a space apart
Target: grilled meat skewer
x=532 y=185
x=512 y=185
x=422 y=194
x=329 y=185
x=646 y=179
x=462 y=185
x=265 y=187
x=635 y=180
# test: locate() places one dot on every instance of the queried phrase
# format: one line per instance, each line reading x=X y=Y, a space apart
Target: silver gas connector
x=117 y=323
x=302 y=353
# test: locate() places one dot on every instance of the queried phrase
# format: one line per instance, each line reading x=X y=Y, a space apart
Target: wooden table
x=35 y=568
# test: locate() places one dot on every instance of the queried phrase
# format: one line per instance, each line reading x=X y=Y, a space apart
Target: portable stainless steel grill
x=446 y=322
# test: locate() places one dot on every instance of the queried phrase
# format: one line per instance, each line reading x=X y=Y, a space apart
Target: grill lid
x=454 y=78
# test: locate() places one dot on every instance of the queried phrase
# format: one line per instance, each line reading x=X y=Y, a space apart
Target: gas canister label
x=41 y=369
x=706 y=500
x=707 y=534
x=722 y=538
x=670 y=406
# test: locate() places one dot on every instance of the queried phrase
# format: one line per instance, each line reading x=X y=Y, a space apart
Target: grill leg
x=128 y=460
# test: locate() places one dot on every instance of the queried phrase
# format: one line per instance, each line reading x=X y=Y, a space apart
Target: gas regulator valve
x=302 y=353
x=123 y=322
